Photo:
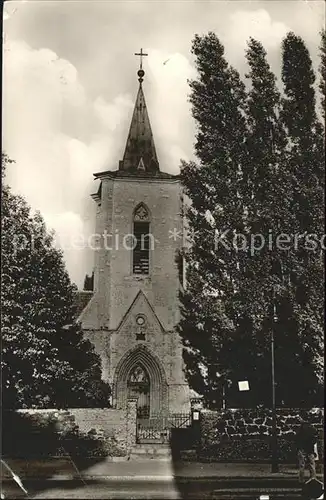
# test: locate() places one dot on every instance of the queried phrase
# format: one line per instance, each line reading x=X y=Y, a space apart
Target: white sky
x=70 y=83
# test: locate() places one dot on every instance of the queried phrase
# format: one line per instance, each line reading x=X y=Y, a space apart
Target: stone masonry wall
x=109 y=319
x=108 y=425
x=161 y=286
x=131 y=423
x=245 y=434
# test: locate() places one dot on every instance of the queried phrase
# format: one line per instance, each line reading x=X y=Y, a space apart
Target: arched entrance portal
x=140 y=373
x=139 y=387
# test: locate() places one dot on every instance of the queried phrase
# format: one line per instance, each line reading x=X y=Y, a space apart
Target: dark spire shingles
x=140 y=143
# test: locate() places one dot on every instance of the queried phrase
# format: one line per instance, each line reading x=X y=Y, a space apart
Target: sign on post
x=243 y=385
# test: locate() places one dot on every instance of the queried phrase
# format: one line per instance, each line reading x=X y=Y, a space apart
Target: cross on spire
x=141 y=54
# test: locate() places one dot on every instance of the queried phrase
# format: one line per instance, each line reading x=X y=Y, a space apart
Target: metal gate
x=179 y=420
x=157 y=428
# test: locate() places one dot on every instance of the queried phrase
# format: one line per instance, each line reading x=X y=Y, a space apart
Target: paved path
x=66 y=468
x=149 y=479
x=97 y=489
x=117 y=489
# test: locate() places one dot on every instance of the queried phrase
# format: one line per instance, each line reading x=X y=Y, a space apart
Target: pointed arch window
x=142 y=238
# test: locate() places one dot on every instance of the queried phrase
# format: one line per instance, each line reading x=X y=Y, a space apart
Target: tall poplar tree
x=266 y=199
x=301 y=314
x=213 y=185
x=274 y=272
x=259 y=172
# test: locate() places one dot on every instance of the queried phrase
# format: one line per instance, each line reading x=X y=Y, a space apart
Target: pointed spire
x=140 y=152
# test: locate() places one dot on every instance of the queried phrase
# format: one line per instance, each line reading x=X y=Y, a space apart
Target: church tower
x=132 y=314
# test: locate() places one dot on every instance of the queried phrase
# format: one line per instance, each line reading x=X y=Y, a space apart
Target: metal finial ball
x=141 y=73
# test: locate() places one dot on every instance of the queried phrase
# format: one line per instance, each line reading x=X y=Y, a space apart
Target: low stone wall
x=244 y=434
x=111 y=421
x=90 y=431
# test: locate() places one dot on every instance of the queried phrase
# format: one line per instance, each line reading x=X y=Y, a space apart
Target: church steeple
x=140 y=153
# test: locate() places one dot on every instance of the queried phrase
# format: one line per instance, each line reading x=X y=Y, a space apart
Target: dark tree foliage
x=45 y=361
x=214 y=187
x=322 y=68
x=302 y=313
x=258 y=180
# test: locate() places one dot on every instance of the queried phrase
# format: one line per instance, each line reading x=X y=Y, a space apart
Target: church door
x=139 y=387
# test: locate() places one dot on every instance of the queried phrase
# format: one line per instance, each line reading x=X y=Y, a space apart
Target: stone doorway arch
x=141 y=356
x=139 y=388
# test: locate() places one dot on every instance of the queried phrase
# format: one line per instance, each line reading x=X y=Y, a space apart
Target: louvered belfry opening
x=142 y=247
x=141 y=232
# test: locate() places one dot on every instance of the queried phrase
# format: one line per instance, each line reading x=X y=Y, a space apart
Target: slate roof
x=140 y=152
x=135 y=173
x=82 y=299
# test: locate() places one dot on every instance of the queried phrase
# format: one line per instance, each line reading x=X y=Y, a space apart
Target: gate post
x=195 y=422
x=131 y=423
x=196 y=407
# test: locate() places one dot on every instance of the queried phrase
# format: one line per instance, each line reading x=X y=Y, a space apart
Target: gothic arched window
x=141 y=232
